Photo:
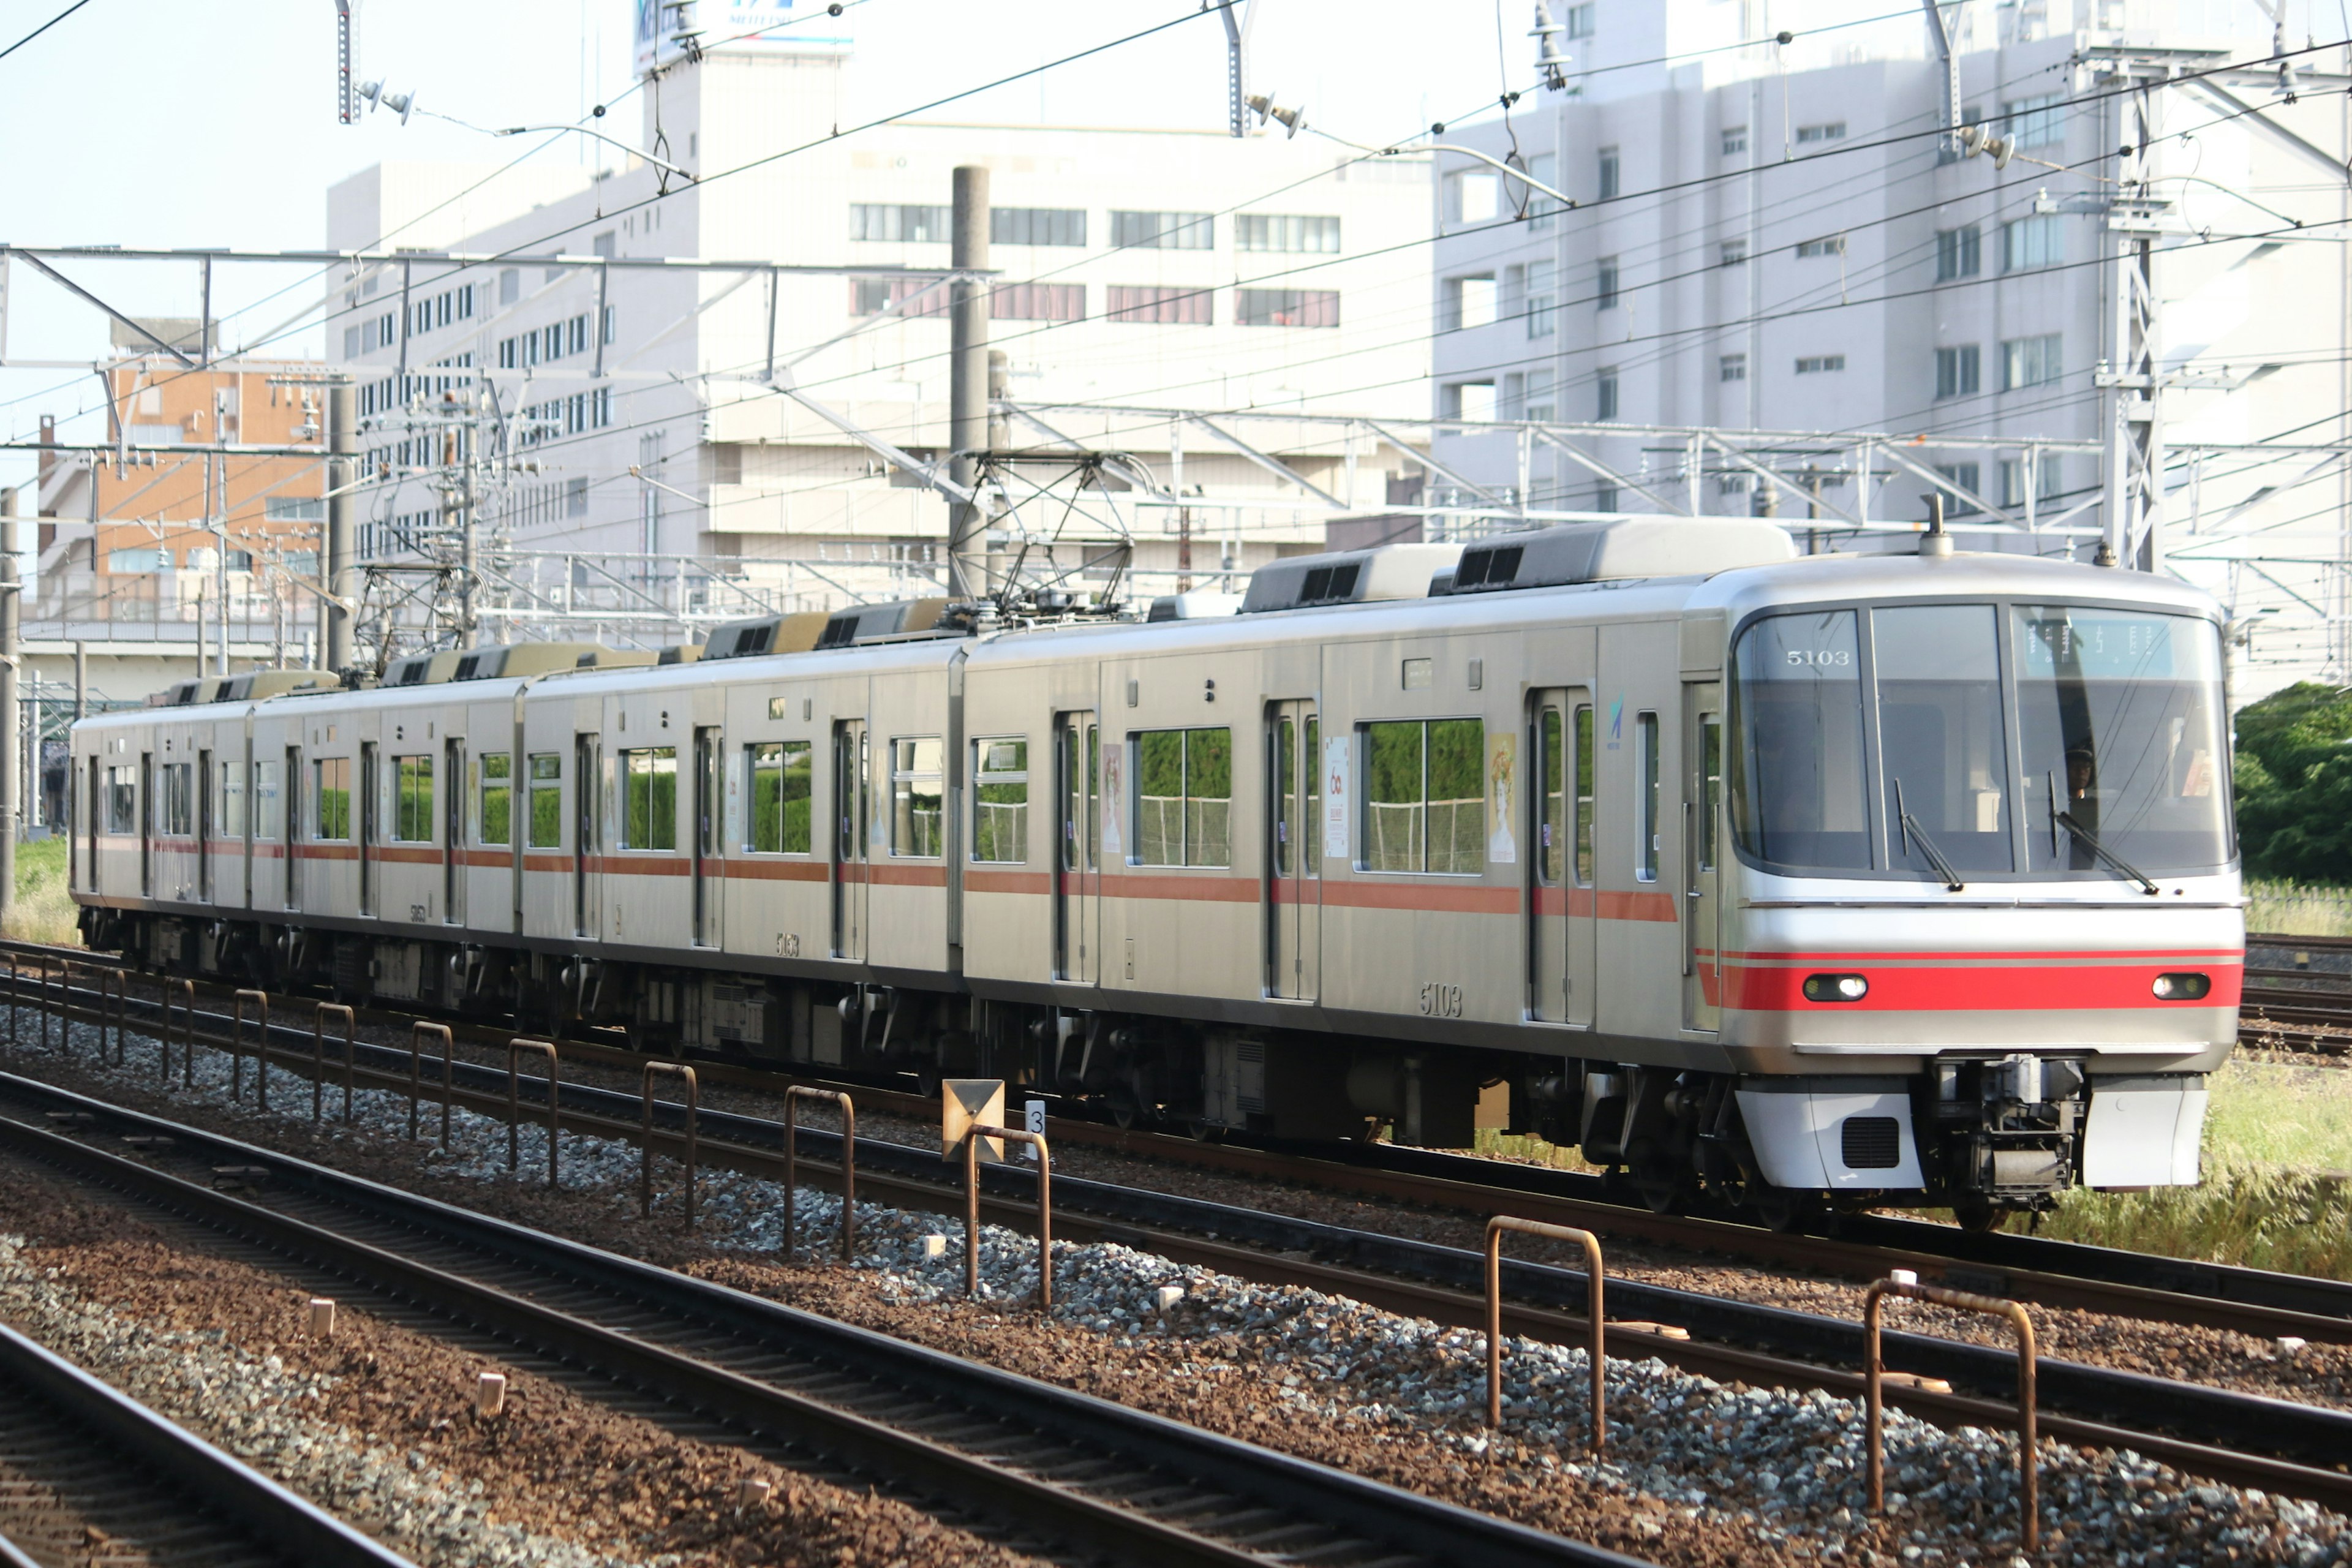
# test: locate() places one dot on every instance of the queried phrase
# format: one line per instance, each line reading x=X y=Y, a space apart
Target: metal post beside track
x=120 y=994
x=972 y=1208
x=16 y=996
x=795 y=1092
x=260 y=999
x=45 y=1002
x=1873 y=1368
x=318 y=1011
x=646 y=1139
x=1496 y=1226
x=416 y=1033
x=514 y=1102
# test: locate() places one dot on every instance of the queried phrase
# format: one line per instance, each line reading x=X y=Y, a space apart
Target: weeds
x=44 y=910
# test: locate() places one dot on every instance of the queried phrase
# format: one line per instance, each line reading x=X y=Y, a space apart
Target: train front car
x=1984 y=938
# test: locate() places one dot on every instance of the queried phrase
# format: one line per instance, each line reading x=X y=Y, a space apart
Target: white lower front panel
x=2144 y=1131
x=1813 y=1137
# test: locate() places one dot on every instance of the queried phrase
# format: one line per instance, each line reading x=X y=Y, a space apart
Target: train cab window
x=122 y=799
x=269 y=819
x=1425 y=797
x=1184 y=797
x=175 y=800
x=1941 y=738
x=330 y=788
x=494 y=798
x=918 y=821
x=1645 y=766
x=1551 y=784
x=649 y=798
x=232 y=800
x=782 y=775
x=1580 y=824
x=1798 y=789
x=412 y=800
x=547 y=800
x=1000 y=801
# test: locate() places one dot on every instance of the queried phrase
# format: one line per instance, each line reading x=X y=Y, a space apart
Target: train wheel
x=1775 y=1209
x=1976 y=1215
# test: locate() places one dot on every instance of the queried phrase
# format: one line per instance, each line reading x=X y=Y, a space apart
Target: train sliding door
x=369 y=794
x=709 y=792
x=1702 y=853
x=1077 y=869
x=453 y=832
x=204 y=826
x=587 y=769
x=1562 y=920
x=1294 y=887
x=849 y=838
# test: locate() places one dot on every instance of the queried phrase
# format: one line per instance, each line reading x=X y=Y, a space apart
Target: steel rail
x=231 y=1509
x=1235 y=1498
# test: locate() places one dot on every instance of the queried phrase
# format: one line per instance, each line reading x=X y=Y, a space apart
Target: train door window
x=1000 y=801
x=649 y=798
x=122 y=799
x=175 y=813
x=1286 y=794
x=917 y=827
x=1312 y=845
x=1710 y=775
x=331 y=795
x=783 y=774
x=1425 y=797
x=494 y=791
x=547 y=800
x=1552 y=777
x=412 y=801
x=267 y=821
x=1646 y=827
x=1184 y=797
x=232 y=800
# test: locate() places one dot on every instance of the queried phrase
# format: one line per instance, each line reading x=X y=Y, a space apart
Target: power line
x=44 y=27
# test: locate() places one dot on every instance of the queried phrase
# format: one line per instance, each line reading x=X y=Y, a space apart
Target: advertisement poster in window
x=1337 y=795
x=1502 y=789
x=1114 y=802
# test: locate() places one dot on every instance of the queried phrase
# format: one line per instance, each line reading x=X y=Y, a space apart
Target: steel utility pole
x=342 y=479
x=10 y=644
x=968 y=383
x=2133 y=375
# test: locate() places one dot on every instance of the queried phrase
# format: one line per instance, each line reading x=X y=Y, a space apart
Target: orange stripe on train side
x=1034 y=883
x=778 y=871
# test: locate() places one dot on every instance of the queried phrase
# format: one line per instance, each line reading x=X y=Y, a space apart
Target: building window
x=649 y=798
x=1958 y=253
x=911 y=223
x=1425 y=797
x=1540 y=407
x=1961 y=476
x=2048 y=471
x=1037 y=225
x=1609 y=167
x=917 y=826
x=2031 y=242
x=1285 y=308
x=1539 y=298
x=1829 y=245
x=1604 y=496
x=1038 y=302
x=494 y=789
x=872 y=296
x=575 y=494
x=1183 y=797
x=330 y=788
x=1267 y=231
x=138 y=560
x=783 y=774
x=546 y=800
x=1162 y=231
x=1956 y=371
x=1735 y=140
x=1000 y=801
x=1470 y=400
x=1820 y=365
x=293 y=509
x=1469 y=303
x=1834 y=130
x=1731 y=367
x=1604 y=393
x=1473 y=196
x=1179 y=307
x=1541 y=168
x=1577 y=20
x=510 y=286
x=1732 y=253
x=2036 y=121
x=412 y=800
x=1604 y=287
x=2029 y=361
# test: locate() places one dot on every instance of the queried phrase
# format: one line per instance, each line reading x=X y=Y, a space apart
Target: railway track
x=90 y=1475
x=1090 y=1476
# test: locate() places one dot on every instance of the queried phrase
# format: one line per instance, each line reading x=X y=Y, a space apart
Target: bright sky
x=150 y=125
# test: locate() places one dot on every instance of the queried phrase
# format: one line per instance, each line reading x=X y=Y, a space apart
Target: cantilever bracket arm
x=1605 y=471
x=66 y=282
x=1272 y=465
x=1779 y=480
x=932 y=474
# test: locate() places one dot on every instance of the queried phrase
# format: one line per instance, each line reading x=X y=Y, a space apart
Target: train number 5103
x=1441 y=1001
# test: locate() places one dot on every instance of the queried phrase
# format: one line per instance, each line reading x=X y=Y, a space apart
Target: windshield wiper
x=1911 y=829
x=2066 y=819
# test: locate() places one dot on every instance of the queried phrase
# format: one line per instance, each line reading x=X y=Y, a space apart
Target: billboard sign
x=663 y=28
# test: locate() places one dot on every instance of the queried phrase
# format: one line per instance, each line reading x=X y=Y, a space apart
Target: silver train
x=1769 y=881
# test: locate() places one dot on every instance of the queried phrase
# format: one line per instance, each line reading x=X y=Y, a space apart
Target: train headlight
x=2183 y=987
x=1835 y=987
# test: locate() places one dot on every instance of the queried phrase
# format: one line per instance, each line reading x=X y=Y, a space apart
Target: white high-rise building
x=1783 y=238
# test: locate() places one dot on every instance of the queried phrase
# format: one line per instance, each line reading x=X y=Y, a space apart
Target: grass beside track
x=44 y=910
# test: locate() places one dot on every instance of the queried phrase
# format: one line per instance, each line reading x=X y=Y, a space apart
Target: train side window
x=1184 y=797
x=547 y=800
x=649 y=798
x=1581 y=826
x=1000 y=801
x=1551 y=775
x=267 y=822
x=1645 y=766
x=782 y=775
x=494 y=796
x=1425 y=797
x=917 y=824
x=330 y=790
x=412 y=800
x=122 y=799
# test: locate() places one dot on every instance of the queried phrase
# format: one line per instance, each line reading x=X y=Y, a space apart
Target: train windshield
x=1959 y=740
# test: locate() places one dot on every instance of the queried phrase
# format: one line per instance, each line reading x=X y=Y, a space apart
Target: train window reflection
x=1940 y=737
x=2119 y=718
x=1798 y=785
